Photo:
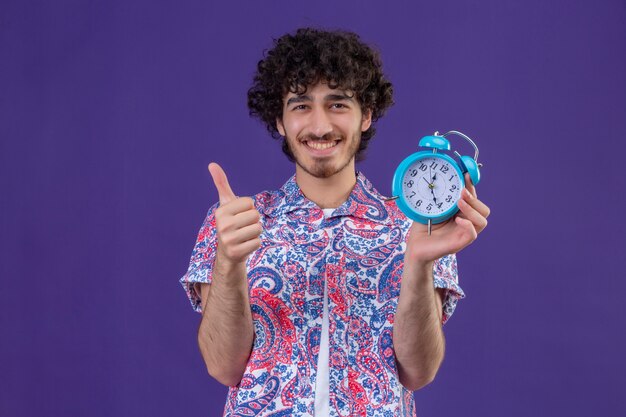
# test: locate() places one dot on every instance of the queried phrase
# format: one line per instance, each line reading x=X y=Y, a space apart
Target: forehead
x=320 y=90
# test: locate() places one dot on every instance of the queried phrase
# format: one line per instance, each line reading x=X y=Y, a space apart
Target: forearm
x=418 y=338
x=226 y=331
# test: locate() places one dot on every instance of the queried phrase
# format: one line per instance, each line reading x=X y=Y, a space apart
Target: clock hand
x=431 y=187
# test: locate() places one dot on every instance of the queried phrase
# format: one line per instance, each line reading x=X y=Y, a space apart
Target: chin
x=322 y=169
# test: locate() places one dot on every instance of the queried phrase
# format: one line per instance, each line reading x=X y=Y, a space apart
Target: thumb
x=224 y=192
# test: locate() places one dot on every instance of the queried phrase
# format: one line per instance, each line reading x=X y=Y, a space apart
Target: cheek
x=353 y=125
x=292 y=127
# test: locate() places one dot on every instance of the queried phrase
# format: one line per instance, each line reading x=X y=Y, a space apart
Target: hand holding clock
x=236 y=220
x=452 y=235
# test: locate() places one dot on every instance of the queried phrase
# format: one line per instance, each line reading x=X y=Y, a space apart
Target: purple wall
x=110 y=112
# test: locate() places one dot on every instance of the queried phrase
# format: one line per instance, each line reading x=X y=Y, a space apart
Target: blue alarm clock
x=428 y=183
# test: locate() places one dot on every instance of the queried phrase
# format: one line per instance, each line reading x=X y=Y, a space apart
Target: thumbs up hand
x=237 y=222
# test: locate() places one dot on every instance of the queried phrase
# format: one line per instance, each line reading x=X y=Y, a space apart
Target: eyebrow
x=330 y=97
x=298 y=99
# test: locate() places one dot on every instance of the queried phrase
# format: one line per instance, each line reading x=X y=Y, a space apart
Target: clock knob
x=468 y=164
x=436 y=142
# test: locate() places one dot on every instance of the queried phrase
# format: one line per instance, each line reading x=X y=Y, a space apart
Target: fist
x=237 y=222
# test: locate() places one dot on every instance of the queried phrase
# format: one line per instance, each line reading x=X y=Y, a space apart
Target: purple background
x=110 y=112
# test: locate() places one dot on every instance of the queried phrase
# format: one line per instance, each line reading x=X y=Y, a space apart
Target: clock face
x=431 y=186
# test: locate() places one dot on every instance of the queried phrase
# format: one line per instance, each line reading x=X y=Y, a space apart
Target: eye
x=338 y=106
x=299 y=107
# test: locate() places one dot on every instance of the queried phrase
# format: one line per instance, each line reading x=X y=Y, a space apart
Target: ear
x=366 y=120
x=280 y=127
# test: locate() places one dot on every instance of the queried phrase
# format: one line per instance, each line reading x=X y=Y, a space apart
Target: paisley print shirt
x=359 y=250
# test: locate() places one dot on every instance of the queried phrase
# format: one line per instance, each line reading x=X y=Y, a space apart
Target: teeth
x=321 y=145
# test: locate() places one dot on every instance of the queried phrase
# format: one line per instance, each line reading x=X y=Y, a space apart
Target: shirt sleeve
x=445 y=274
x=202 y=260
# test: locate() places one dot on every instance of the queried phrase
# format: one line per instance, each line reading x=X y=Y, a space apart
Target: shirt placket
x=338 y=309
x=311 y=319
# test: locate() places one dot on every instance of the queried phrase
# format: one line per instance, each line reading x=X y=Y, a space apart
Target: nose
x=320 y=123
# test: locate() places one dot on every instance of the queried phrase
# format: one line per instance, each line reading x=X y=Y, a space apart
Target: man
x=321 y=298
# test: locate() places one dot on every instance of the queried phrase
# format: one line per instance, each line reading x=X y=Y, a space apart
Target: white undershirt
x=322 y=379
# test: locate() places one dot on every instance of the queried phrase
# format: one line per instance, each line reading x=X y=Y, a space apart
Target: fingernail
x=468 y=194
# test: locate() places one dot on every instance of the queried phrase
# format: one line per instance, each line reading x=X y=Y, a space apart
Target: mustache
x=327 y=137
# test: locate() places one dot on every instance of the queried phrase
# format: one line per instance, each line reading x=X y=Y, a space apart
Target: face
x=323 y=129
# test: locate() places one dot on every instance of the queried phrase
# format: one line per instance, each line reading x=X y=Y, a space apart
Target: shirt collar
x=364 y=201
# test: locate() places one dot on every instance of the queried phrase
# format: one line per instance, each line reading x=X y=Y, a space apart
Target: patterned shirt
x=359 y=251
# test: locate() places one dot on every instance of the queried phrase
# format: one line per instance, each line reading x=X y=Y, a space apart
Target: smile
x=321 y=145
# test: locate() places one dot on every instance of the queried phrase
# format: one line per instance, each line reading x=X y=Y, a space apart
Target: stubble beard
x=323 y=167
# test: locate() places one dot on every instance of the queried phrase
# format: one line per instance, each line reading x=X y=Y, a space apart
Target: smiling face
x=323 y=129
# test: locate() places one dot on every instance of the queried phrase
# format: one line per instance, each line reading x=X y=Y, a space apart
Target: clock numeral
x=409 y=183
x=423 y=167
x=434 y=165
x=451 y=178
x=452 y=188
x=412 y=194
x=444 y=168
x=413 y=172
x=439 y=205
x=429 y=207
x=418 y=203
x=448 y=198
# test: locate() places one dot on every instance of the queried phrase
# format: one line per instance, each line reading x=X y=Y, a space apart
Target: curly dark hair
x=309 y=56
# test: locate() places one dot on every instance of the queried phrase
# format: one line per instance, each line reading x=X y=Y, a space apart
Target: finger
x=229 y=226
x=472 y=215
x=247 y=217
x=464 y=234
x=249 y=232
x=224 y=191
x=239 y=205
x=250 y=245
x=476 y=203
x=244 y=249
x=468 y=231
x=470 y=185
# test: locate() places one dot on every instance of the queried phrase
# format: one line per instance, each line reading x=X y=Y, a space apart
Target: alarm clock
x=428 y=183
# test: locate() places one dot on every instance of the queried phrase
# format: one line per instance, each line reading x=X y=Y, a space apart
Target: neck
x=329 y=192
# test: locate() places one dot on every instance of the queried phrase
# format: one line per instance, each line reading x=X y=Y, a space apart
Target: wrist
x=229 y=272
x=416 y=270
x=419 y=264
